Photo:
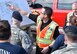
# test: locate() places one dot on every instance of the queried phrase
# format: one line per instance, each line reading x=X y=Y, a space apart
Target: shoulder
x=61 y=36
x=23 y=32
x=70 y=14
x=55 y=23
x=22 y=51
x=56 y=52
x=14 y=47
x=19 y=49
x=14 y=28
x=60 y=51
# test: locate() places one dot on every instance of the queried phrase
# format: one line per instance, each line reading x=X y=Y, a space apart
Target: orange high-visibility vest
x=45 y=37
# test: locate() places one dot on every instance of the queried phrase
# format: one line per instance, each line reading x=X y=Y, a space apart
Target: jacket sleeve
x=33 y=17
x=55 y=52
x=26 y=41
x=22 y=51
x=59 y=42
x=56 y=33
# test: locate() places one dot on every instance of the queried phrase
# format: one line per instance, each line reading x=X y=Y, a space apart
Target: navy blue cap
x=17 y=15
x=70 y=29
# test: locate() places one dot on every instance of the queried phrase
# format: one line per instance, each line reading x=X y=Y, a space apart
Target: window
x=47 y=3
x=65 y=4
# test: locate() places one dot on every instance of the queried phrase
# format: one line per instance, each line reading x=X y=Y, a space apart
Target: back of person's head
x=48 y=11
x=71 y=32
x=5 y=30
x=73 y=20
x=16 y=15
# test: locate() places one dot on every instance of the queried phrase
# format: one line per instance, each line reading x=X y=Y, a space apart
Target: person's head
x=74 y=7
x=73 y=20
x=5 y=30
x=47 y=12
x=16 y=18
x=36 y=6
x=70 y=34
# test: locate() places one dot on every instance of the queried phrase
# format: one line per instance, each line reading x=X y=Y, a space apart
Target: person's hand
x=36 y=12
x=12 y=7
x=41 y=16
x=45 y=50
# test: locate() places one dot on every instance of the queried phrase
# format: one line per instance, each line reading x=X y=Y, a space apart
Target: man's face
x=74 y=8
x=14 y=21
x=43 y=14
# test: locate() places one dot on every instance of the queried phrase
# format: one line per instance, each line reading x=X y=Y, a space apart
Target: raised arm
x=12 y=7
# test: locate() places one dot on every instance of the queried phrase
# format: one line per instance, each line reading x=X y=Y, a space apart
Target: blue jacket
x=59 y=42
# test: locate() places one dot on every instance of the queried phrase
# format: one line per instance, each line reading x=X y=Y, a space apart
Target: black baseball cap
x=17 y=16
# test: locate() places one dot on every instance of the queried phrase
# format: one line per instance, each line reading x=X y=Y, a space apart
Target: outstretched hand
x=12 y=7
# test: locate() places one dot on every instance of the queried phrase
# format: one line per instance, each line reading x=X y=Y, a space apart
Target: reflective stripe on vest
x=44 y=41
x=50 y=30
x=38 y=20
